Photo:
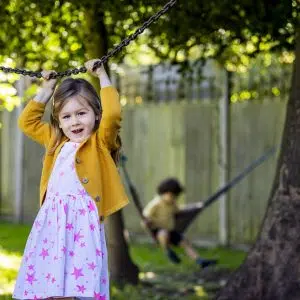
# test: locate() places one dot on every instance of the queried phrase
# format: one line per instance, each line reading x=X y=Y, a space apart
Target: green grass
x=160 y=279
x=13 y=237
x=150 y=256
x=12 y=243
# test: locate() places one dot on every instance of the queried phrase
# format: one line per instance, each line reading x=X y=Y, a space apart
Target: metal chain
x=104 y=58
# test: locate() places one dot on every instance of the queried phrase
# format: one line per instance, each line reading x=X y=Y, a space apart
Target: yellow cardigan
x=94 y=164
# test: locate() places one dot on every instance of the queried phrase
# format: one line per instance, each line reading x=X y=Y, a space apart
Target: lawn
x=160 y=280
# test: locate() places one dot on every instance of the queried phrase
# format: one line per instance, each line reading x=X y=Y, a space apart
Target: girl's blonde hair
x=79 y=87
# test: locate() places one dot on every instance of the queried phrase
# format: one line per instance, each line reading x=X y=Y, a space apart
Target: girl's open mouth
x=77 y=131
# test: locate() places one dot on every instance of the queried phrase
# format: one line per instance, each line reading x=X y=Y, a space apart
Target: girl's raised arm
x=30 y=118
x=110 y=123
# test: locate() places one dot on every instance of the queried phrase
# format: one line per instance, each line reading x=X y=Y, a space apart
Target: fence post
x=19 y=147
x=149 y=86
x=224 y=154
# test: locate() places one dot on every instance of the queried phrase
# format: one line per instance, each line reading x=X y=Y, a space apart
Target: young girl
x=65 y=256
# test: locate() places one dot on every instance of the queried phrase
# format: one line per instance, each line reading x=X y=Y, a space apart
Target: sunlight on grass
x=200 y=291
x=12 y=242
x=9 y=265
x=147 y=275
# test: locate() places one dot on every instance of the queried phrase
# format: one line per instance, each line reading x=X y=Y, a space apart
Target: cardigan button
x=78 y=161
x=97 y=198
x=84 y=180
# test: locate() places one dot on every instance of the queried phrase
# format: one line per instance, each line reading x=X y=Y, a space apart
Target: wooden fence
x=168 y=139
x=202 y=82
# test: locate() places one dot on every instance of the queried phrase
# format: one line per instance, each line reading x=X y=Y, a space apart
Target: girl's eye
x=66 y=117
x=81 y=113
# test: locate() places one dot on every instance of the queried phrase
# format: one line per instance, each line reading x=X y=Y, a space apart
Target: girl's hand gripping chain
x=47 y=88
x=99 y=72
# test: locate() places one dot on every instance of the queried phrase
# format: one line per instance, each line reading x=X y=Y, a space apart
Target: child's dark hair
x=170 y=185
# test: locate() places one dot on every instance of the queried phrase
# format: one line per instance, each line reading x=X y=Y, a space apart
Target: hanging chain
x=104 y=58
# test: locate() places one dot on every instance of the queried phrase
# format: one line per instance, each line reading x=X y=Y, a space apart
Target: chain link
x=104 y=58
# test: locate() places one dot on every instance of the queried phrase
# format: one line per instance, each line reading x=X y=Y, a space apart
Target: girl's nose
x=75 y=121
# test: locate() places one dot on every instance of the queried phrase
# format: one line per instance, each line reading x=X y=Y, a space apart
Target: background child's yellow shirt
x=160 y=213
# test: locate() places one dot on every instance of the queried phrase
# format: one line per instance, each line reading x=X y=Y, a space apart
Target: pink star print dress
x=65 y=254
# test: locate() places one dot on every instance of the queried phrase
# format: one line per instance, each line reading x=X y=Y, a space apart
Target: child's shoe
x=206 y=262
x=173 y=256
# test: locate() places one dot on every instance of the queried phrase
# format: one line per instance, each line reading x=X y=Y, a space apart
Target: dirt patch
x=202 y=284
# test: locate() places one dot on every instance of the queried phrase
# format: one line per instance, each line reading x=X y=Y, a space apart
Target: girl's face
x=77 y=119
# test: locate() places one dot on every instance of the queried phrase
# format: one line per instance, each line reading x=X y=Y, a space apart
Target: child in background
x=160 y=218
x=65 y=255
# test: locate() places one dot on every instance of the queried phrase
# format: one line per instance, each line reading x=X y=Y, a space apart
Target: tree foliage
x=38 y=34
x=51 y=33
x=55 y=34
x=220 y=25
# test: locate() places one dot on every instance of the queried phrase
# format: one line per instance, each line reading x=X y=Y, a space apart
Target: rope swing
x=104 y=58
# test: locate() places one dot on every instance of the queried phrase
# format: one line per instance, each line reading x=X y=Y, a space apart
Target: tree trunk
x=122 y=269
x=271 y=270
x=96 y=39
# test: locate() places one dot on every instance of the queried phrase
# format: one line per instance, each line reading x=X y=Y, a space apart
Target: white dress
x=65 y=254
